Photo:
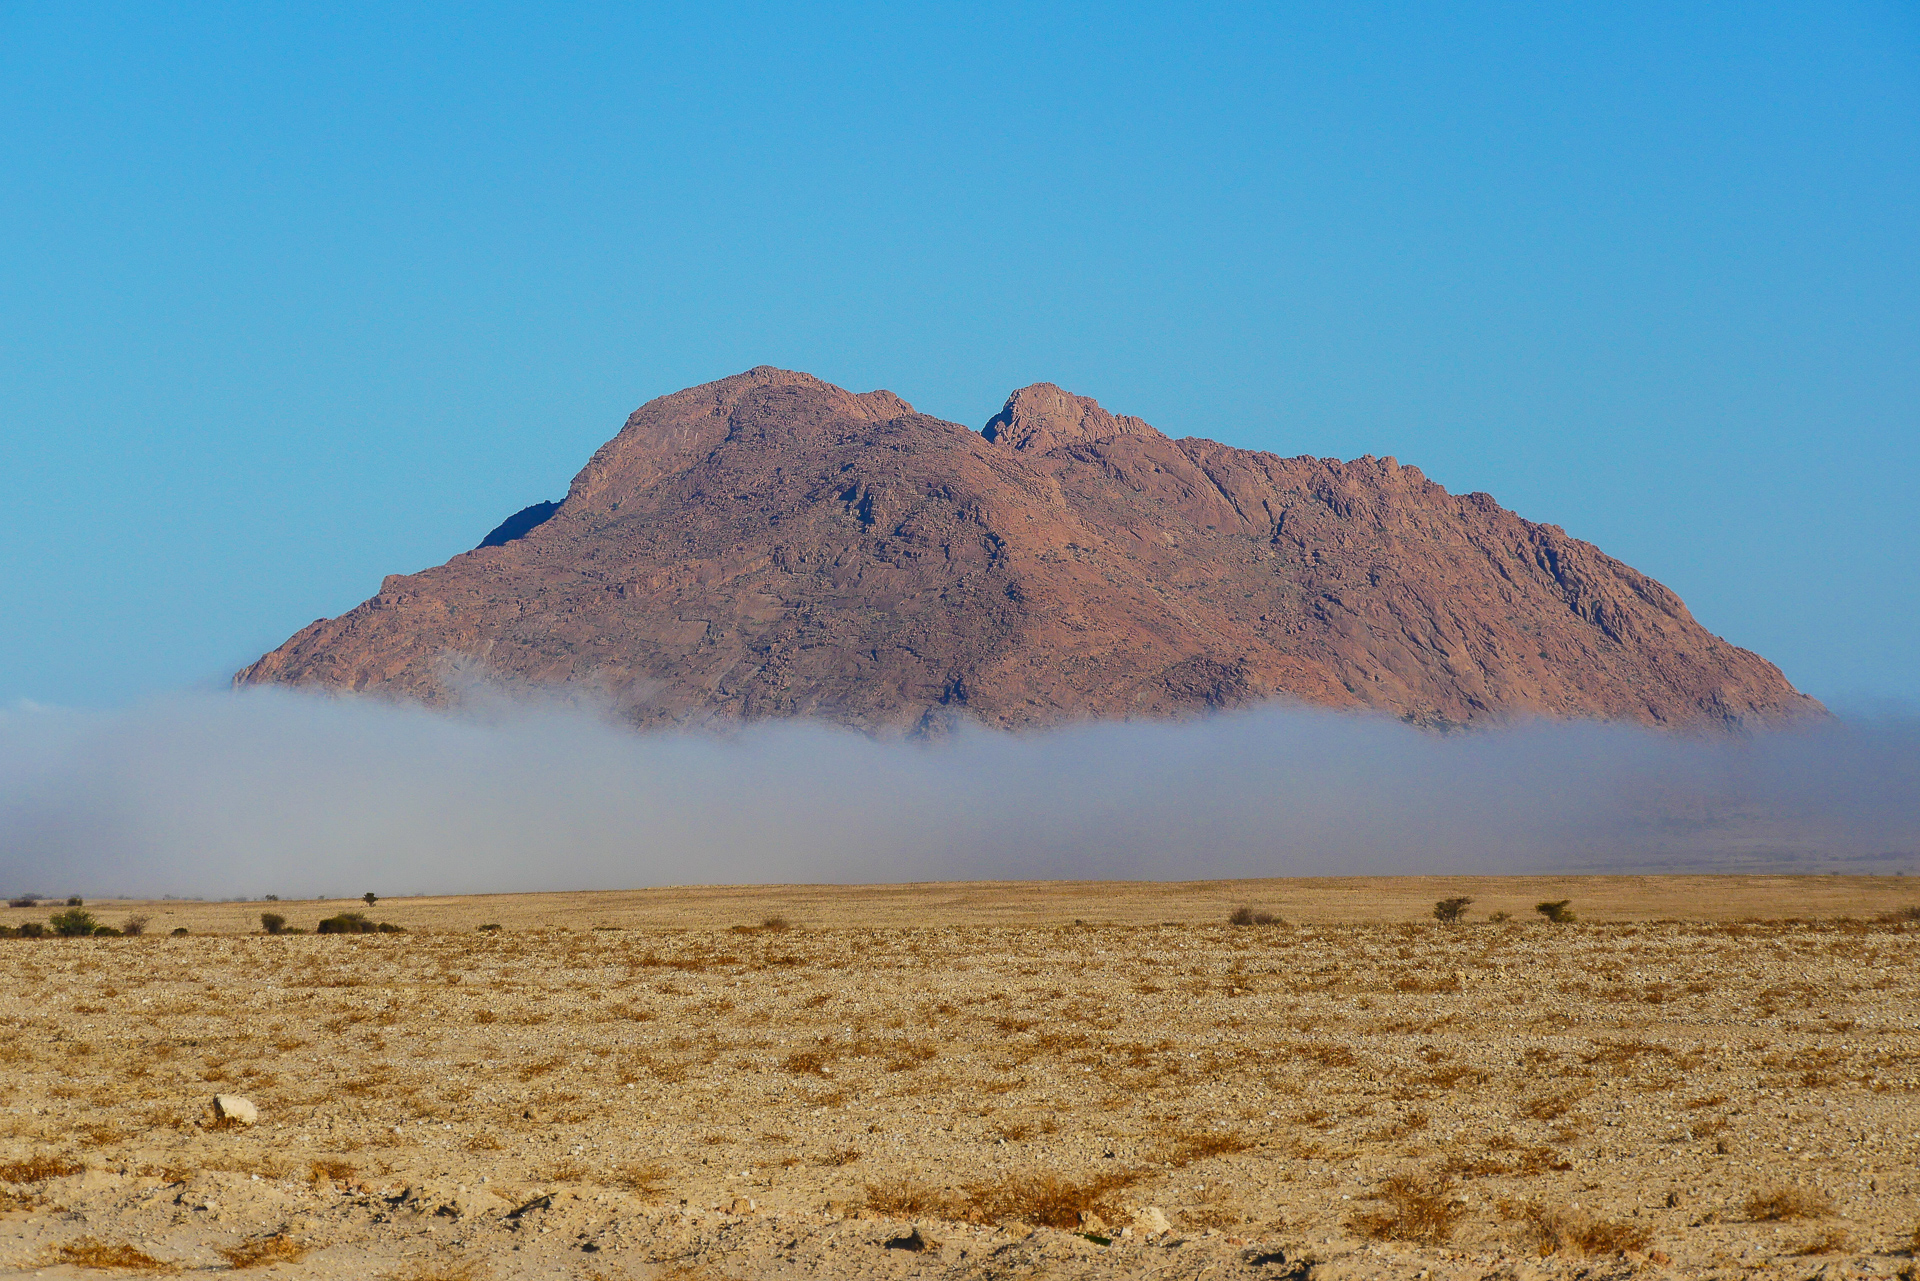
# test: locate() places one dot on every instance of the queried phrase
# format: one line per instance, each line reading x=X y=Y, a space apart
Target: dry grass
x=1562 y=1231
x=262 y=1251
x=39 y=1168
x=1045 y=1200
x=903 y=1198
x=88 y=1252
x=1413 y=1207
x=1787 y=1201
x=648 y=1179
x=441 y=1270
x=1827 y=1241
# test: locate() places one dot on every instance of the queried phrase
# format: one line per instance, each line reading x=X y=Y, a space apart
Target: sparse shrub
x=1419 y=1208
x=278 y=1248
x=1556 y=911
x=492 y=927
x=38 y=1169
x=1787 y=1201
x=1562 y=1231
x=1828 y=1241
x=1244 y=915
x=1500 y=917
x=319 y=1172
x=903 y=1198
x=350 y=923
x=90 y=1252
x=134 y=926
x=1045 y=1199
x=1901 y=915
x=1451 y=909
x=273 y=922
x=648 y=1180
x=776 y=924
x=75 y=922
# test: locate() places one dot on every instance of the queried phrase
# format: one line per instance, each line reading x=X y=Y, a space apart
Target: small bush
x=1576 y=1231
x=272 y=922
x=30 y=930
x=23 y=900
x=1901 y=915
x=1787 y=1201
x=134 y=926
x=492 y=927
x=273 y=898
x=75 y=922
x=1244 y=915
x=903 y=1198
x=76 y=901
x=1451 y=909
x=1414 y=1208
x=178 y=931
x=1500 y=916
x=1556 y=911
x=105 y=932
x=348 y=923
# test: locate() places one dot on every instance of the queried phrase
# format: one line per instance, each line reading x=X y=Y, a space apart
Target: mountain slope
x=771 y=545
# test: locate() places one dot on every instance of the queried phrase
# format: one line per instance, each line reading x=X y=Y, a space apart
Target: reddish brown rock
x=770 y=545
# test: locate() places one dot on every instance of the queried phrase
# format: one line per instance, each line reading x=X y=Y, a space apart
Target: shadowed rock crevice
x=520 y=524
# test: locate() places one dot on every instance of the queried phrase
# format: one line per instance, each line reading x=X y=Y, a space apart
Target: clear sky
x=294 y=296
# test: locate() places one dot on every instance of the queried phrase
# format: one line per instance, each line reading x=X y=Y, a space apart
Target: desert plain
x=1698 y=1076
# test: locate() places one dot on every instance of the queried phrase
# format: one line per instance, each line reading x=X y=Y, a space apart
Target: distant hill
x=770 y=545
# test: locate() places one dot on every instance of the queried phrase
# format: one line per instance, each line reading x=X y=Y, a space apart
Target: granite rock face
x=770 y=545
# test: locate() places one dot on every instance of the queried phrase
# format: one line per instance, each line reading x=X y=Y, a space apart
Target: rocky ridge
x=770 y=545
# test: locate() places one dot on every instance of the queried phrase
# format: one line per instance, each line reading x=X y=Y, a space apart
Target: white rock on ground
x=231 y=1107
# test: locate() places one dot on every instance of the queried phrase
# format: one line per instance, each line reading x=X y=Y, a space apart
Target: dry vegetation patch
x=1385 y=1082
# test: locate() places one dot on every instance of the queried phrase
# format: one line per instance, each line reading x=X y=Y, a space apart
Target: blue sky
x=295 y=296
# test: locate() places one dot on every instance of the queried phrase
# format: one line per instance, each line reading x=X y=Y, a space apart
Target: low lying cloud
x=231 y=795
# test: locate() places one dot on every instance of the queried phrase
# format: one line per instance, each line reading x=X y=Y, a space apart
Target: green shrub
x=1450 y=909
x=29 y=930
x=1556 y=911
x=75 y=922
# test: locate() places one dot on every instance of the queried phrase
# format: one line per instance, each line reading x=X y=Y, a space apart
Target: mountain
x=770 y=545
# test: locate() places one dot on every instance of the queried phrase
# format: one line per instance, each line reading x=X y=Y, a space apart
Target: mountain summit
x=771 y=545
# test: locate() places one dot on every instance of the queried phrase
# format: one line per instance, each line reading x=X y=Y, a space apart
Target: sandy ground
x=1702 y=1077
